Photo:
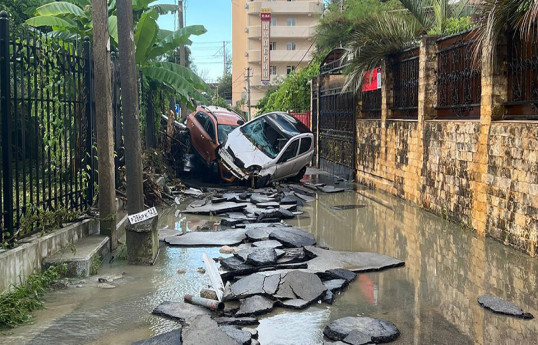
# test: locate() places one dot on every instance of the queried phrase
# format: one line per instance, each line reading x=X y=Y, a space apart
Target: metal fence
x=405 y=85
x=371 y=104
x=47 y=129
x=522 y=63
x=458 y=78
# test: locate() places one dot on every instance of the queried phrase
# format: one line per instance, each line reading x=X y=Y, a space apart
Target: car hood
x=244 y=150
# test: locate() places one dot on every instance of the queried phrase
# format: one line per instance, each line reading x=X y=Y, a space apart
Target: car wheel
x=299 y=175
x=259 y=181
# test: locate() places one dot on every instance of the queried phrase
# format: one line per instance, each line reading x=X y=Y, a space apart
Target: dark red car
x=209 y=127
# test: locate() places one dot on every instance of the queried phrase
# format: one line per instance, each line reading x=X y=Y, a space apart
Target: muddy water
x=432 y=299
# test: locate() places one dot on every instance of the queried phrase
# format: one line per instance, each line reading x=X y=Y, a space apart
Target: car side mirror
x=240 y=122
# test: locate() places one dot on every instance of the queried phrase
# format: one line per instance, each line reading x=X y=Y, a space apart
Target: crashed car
x=209 y=128
x=272 y=147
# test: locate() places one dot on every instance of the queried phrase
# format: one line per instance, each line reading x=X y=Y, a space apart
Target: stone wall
x=482 y=174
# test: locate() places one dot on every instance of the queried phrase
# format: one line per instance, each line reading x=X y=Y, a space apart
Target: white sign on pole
x=144 y=215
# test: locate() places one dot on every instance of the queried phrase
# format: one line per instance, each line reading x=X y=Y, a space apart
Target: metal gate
x=336 y=125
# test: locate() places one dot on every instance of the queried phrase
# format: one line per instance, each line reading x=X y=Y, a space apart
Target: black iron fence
x=522 y=63
x=47 y=143
x=371 y=104
x=405 y=85
x=458 y=77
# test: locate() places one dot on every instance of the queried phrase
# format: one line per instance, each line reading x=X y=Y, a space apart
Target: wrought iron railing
x=522 y=66
x=458 y=77
x=371 y=104
x=405 y=89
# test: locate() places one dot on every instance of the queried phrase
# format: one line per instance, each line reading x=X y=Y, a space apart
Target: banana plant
x=72 y=19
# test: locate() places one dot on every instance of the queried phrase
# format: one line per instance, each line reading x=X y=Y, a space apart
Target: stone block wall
x=482 y=174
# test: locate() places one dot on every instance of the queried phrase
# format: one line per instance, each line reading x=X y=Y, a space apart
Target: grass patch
x=17 y=303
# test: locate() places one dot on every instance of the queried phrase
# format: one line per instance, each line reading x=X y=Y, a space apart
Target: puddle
x=432 y=299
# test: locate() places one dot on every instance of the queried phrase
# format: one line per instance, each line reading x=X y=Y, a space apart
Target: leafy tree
x=19 y=11
x=72 y=19
x=293 y=94
x=225 y=86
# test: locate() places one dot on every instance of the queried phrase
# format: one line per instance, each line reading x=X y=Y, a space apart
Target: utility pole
x=103 y=108
x=224 y=55
x=248 y=93
x=129 y=97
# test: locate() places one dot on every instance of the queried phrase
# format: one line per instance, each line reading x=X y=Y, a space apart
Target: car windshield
x=224 y=130
x=271 y=132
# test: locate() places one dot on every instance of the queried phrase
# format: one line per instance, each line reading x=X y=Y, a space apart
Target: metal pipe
x=204 y=302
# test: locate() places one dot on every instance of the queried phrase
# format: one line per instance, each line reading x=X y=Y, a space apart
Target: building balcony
x=254 y=56
x=288 y=7
x=254 y=32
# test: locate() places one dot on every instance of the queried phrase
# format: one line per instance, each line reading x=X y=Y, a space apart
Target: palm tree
x=388 y=33
x=494 y=17
x=72 y=19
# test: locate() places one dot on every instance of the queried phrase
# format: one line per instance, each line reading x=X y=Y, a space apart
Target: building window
x=290 y=46
x=291 y=21
x=273 y=21
x=290 y=69
x=272 y=70
x=272 y=45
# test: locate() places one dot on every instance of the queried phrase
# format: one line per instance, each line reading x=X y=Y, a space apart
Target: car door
x=286 y=162
x=203 y=136
x=305 y=153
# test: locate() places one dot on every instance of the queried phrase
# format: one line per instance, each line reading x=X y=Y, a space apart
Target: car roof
x=224 y=116
x=287 y=125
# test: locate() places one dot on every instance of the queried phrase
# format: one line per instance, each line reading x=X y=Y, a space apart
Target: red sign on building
x=372 y=80
x=265 y=17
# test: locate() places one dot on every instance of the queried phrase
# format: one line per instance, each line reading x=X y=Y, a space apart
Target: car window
x=223 y=131
x=290 y=152
x=305 y=145
x=206 y=123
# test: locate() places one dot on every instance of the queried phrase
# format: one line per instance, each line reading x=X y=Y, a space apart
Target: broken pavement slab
x=267 y=244
x=255 y=284
x=240 y=336
x=255 y=305
x=380 y=331
x=296 y=303
x=179 y=311
x=168 y=338
x=325 y=260
x=164 y=233
x=219 y=208
x=262 y=257
x=208 y=239
x=306 y=286
x=500 y=306
x=261 y=233
x=292 y=237
x=202 y=330
x=330 y=189
x=237 y=321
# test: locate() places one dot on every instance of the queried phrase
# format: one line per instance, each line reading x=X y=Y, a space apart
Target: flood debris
x=208 y=294
x=255 y=305
x=208 y=239
x=237 y=321
x=292 y=237
x=500 y=306
x=240 y=336
x=267 y=244
x=168 y=338
x=179 y=311
x=325 y=260
x=219 y=208
x=347 y=207
x=204 y=302
x=202 y=330
x=261 y=256
x=379 y=331
x=214 y=276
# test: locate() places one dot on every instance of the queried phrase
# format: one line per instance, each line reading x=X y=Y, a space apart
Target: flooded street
x=432 y=299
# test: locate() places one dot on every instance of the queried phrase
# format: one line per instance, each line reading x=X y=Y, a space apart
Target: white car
x=272 y=147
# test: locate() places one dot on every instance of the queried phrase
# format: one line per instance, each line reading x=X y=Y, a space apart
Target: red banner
x=372 y=80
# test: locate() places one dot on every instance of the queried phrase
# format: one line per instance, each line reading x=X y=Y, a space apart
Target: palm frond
x=374 y=40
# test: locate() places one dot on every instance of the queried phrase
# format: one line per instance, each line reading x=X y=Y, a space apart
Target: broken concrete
x=255 y=284
x=255 y=305
x=260 y=233
x=202 y=330
x=340 y=273
x=208 y=239
x=258 y=198
x=306 y=286
x=500 y=306
x=168 y=338
x=354 y=261
x=292 y=237
x=216 y=208
x=240 y=336
x=380 y=331
x=330 y=189
x=295 y=303
x=358 y=338
x=261 y=257
x=237 y=321
x=272 y=204
x=267 y=244
x=164 y=233
x=335 y=284
x=179 y=311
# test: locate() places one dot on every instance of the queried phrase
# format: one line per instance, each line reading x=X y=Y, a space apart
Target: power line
x=305 y=54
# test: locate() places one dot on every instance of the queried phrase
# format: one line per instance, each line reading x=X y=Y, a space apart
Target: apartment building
x=272 y=38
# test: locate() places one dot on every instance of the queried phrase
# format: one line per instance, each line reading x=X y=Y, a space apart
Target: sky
x=216 y=16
